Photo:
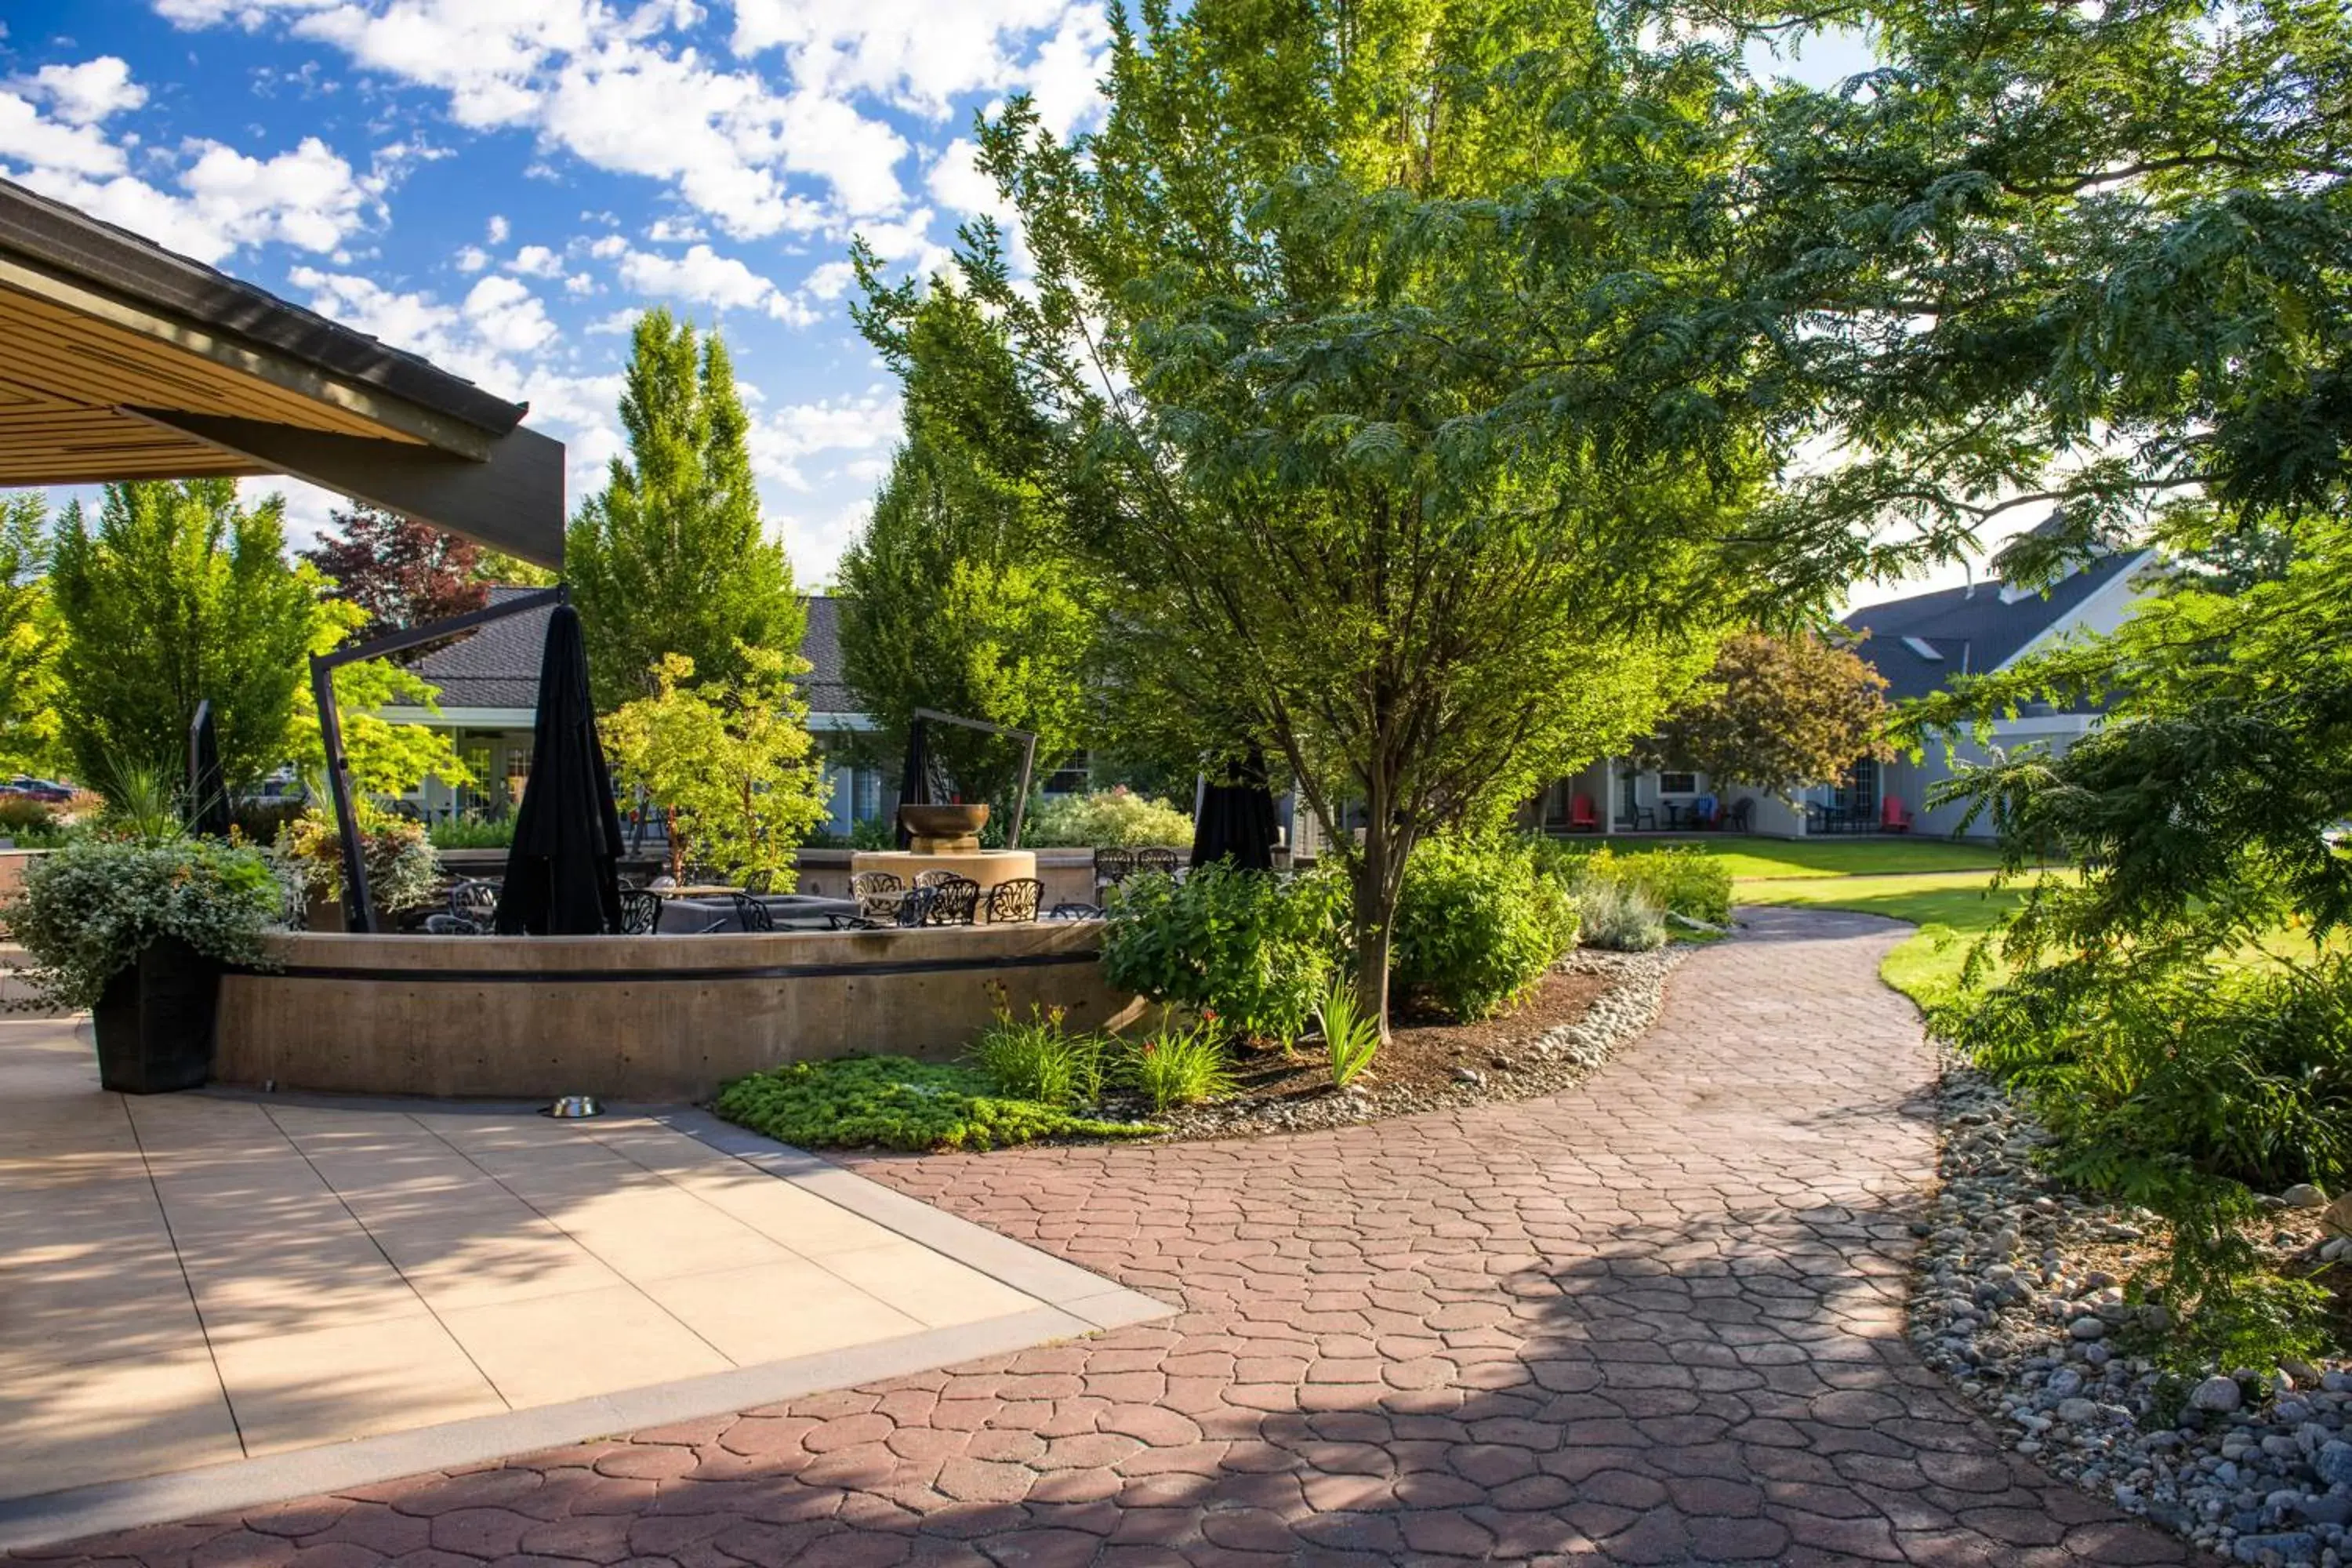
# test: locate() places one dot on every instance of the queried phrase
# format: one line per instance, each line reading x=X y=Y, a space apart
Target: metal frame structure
x=358 y=913
x=1028 y=762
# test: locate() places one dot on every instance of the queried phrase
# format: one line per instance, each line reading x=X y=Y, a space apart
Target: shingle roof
x=497 y=665
x=1969 y=630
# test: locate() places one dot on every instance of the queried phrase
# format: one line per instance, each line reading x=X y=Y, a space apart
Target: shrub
x=2187 y=1086
x=1689 y=881
x=32 y=824
x=1350 y=1038
x=88 y=910
x=1619 y=918
x=1252 y=947
x=402 y=872
x=473 y=833
x=891 y=1102
x=1683 y=879
x=1104 y=819
x=1036 y=1059
x=1181 y=1066
x=1478 y=923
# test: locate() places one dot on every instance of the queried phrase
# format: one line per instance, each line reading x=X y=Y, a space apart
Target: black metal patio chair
x=640 y=912
x=1014 y=901
x=954 y=901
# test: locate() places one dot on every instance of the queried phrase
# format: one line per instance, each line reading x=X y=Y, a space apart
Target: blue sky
x=500 y=185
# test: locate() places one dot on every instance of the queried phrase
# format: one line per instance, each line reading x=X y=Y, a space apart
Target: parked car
x=25 y=786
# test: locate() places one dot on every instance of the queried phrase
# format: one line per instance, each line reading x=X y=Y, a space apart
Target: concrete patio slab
x=215 y=1300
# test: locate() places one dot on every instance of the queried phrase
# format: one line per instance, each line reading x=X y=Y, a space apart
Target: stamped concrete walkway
x=1658 y=1320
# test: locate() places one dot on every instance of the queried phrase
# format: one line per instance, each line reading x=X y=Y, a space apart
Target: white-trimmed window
x=1677 y=784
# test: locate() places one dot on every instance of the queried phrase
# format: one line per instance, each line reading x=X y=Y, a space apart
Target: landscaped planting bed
x=1590 y=1004
x=2022 y=1298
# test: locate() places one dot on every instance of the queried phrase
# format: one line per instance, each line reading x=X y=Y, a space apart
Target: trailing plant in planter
x=136 y=930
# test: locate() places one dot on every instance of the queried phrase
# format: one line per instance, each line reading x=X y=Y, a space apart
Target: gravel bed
x=1551 y=1061
x=2011 y=1301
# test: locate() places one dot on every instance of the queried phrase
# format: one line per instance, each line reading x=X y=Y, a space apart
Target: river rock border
x=2008 y=1303
x=1552 y=1061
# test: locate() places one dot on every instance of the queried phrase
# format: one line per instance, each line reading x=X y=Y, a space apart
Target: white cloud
x=536 y=261
x=784 y=440
x=227 y=201
x=830 y=281
x=956 y=180
x=472 y=258
x=675 y=231
x=87 y=93
x=507 y=316
x=499 y=228
x=30 y=138
x=703 y=277
x=619 y=85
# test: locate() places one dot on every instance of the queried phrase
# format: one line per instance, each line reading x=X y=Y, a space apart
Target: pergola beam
x=511 y=501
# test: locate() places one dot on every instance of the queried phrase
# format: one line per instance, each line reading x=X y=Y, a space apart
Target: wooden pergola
x=121 y=359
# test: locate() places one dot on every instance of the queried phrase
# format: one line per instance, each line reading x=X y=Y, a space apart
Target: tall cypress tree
x=672 y=556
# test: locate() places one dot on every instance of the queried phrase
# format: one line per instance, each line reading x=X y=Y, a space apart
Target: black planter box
x=154 y=1023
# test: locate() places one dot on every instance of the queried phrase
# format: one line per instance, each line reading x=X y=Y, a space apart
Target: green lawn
x=1760 y=858
x=1952 y=910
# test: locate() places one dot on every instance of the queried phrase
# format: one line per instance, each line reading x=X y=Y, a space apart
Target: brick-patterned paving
x=1657 y=1320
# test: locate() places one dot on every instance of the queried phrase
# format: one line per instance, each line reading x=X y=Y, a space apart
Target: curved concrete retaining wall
x=630 y=1018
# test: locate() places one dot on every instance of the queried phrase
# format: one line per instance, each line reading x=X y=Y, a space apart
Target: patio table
x=795 y=911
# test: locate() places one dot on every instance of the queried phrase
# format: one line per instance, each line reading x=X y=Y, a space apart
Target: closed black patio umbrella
x=915 y=779
x=1236 y=820
x=560 y=877
x=208 y=813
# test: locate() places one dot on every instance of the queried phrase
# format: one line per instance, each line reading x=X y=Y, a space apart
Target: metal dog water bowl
x=574 y=1108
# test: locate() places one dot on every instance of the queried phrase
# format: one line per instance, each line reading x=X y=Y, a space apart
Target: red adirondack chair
x=1583 y=815
x=1892 y=818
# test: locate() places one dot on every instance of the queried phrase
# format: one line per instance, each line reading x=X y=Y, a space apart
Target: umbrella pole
x=359 y=910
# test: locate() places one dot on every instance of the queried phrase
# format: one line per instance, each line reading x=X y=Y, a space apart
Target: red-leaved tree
x=403 y=573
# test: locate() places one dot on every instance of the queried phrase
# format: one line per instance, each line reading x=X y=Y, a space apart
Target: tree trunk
x=1373 y=915
x=1378 y=881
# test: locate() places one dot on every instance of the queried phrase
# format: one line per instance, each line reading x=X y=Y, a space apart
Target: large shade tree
x=1374 y=344
x=958 y=596
x=672 y=556
x=1779 y=712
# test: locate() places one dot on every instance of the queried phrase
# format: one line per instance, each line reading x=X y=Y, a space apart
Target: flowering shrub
x=1104 y=819
x=1181 y=1066
x=402 y=872
x=1036 y=1059
x=85 y=912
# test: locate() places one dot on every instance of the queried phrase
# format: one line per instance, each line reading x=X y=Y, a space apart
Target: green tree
x=1348 y=329
x=1779 y=712
x=179 y=593
x=29 y=735
x=731 y=764
x=672 y=556
x=2073 y=261
x=957 y=595
x=385 y=757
